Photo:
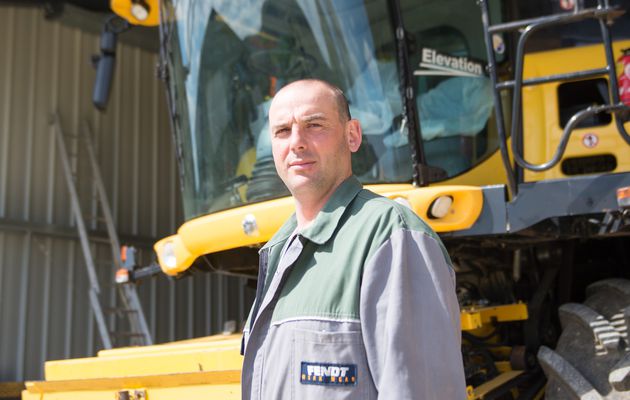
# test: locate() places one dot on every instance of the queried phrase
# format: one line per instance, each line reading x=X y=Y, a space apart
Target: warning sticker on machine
x=436 y=63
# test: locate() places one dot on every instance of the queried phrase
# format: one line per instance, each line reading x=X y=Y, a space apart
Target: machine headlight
x=168 y=255
x=440 y=207
x=140 y=10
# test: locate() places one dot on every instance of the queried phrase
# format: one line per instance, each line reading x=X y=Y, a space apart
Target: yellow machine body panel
x=224 y=230
x=488 y=172
x=542 y=129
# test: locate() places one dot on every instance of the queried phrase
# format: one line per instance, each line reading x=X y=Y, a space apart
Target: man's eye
x=281 y=131
x=314 y=125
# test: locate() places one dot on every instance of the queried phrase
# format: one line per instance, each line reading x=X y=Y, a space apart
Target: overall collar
x=327 y=219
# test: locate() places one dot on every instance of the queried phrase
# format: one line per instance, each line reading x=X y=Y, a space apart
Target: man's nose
x=297 y=140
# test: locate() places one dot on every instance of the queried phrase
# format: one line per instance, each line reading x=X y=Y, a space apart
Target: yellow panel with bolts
x=504 y=313
x=474 y=317
x=470 y=320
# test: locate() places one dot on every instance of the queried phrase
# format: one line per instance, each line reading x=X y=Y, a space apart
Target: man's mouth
x=301 y=164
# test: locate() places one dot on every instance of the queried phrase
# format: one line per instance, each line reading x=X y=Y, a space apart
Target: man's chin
x=301 y=184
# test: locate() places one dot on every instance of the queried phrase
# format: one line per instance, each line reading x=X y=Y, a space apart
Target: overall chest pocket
x=329 y=365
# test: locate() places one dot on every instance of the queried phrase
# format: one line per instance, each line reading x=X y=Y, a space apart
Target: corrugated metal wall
x=44 y=311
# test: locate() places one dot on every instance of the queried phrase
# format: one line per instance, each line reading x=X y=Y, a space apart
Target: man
x=356 y=296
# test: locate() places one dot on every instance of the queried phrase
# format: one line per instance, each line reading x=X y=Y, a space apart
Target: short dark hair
x=343 y=107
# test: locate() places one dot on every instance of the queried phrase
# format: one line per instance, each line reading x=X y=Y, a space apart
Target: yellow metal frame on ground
x=201 y=368
x=206 y=368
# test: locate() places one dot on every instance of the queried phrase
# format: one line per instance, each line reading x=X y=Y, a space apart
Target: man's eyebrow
x=313 y=117
x=307 y=118
x=280 y=125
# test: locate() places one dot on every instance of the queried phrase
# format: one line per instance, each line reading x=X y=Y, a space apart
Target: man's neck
x=308 y=206
x=305 y=215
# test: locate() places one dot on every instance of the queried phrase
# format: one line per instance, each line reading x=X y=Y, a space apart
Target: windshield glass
x=228 y=58
x=455 y=100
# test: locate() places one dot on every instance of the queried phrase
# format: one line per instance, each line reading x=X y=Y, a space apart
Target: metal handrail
x=492 y=65
x=518 y=85
x=590 y=73
x=529 y=26
x=564 y=140
x=561 y=18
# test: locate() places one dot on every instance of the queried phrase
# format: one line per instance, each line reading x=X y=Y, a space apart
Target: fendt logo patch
x=328 y=374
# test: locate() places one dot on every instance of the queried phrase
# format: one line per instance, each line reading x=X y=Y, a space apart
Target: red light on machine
x=567 y=4
x=123 y=253
x=623 y=197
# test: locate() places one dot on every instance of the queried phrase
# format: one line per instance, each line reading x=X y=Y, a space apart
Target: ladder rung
x=94 y=218
x=126 y=334
x=115 y=310
x=555 y=78
x=110 y=285
x=104 y=262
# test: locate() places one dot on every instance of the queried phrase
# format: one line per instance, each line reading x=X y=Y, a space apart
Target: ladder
x=131 y=309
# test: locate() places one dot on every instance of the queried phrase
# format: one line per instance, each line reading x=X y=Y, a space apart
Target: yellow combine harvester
x=501 y=123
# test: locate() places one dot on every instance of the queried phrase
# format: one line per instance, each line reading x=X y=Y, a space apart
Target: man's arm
x=410 y=320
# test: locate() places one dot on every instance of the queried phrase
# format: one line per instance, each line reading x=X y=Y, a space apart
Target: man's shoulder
x=384 y=216
x=387 y=213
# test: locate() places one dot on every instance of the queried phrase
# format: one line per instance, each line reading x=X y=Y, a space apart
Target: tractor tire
x=592 y=357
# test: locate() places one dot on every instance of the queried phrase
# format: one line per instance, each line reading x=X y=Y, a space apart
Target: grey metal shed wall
x=44 y=311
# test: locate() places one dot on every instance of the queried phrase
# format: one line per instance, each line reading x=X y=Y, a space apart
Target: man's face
x=311 y=144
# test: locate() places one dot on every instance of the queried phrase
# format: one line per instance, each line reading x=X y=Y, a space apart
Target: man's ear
x=354 y=135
